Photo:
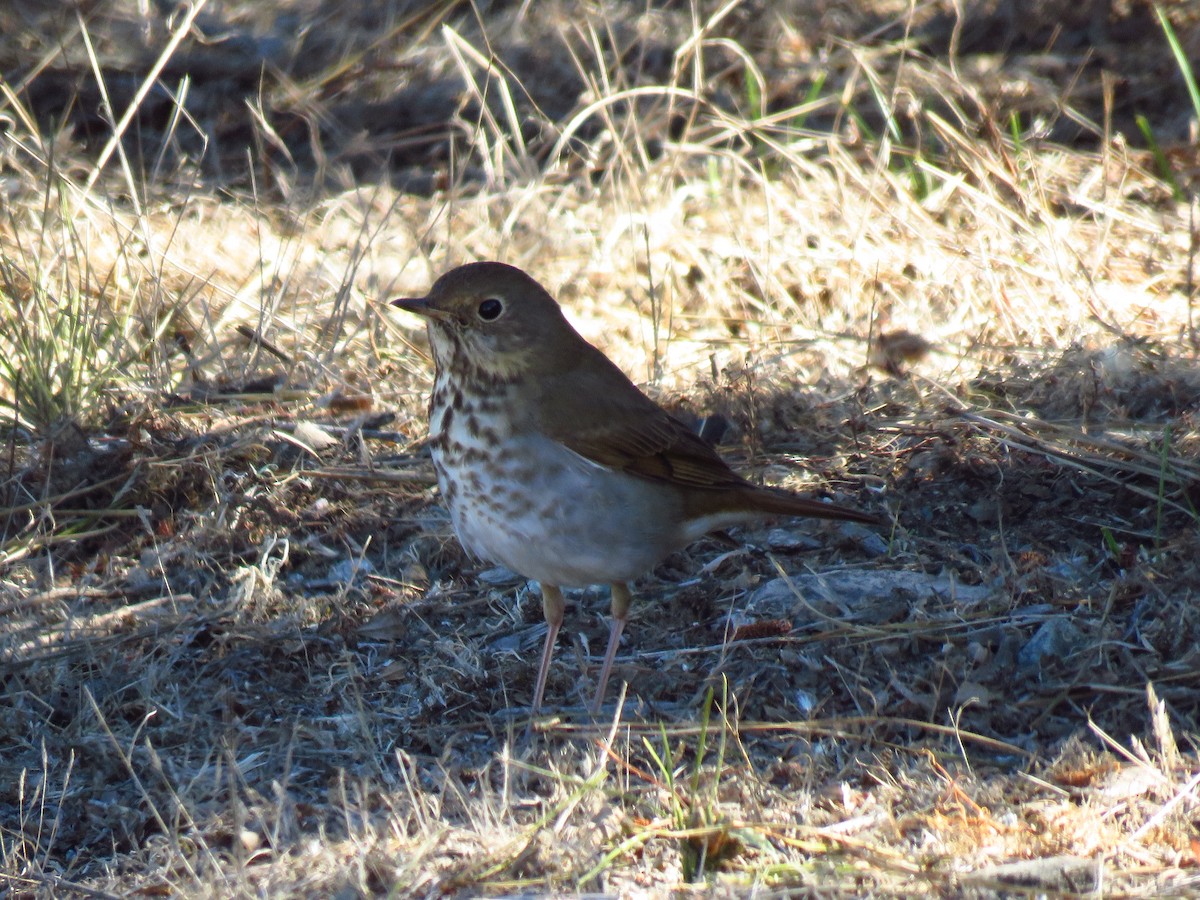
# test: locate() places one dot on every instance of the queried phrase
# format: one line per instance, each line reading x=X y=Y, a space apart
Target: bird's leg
x=621 y=601
x=552 y=607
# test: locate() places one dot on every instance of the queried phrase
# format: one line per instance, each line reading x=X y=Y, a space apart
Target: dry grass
x=242 y=653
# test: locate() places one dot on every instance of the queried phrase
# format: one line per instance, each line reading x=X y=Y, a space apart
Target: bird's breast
x=526 y=501
x=468 y=424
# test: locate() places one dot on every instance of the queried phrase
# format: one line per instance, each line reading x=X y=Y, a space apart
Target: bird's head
x=495 y=319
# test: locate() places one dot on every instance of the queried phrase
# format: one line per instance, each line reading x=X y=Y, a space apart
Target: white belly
x=554 y=516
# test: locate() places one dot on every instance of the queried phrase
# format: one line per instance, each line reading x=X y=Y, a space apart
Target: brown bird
x=554 y=464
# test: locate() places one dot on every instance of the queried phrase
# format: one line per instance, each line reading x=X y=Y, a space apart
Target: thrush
x=552 y=462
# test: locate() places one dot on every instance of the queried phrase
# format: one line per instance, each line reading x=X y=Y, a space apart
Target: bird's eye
x=490 y=309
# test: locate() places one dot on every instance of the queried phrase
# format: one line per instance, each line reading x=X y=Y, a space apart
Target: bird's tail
x=771 y=501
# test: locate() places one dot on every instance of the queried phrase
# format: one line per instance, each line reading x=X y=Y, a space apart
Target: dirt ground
x=938 y=268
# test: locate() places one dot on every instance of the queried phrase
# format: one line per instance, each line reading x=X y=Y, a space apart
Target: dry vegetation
x=941 y=268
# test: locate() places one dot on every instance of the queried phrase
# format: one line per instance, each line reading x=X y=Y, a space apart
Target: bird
x=554 y=464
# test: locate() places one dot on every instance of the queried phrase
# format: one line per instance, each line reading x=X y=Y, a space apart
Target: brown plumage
x=553 y=463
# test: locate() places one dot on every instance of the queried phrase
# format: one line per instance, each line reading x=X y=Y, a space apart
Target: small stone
x=783 y=540
x=1055 y=639
x=350 y=569
x=250 y=840
x=499 y=577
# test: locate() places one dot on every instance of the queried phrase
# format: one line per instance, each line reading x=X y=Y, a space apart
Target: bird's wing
x=599 y=414
x=604 y=418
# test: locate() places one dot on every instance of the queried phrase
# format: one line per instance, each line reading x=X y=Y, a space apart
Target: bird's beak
x=418 y=305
